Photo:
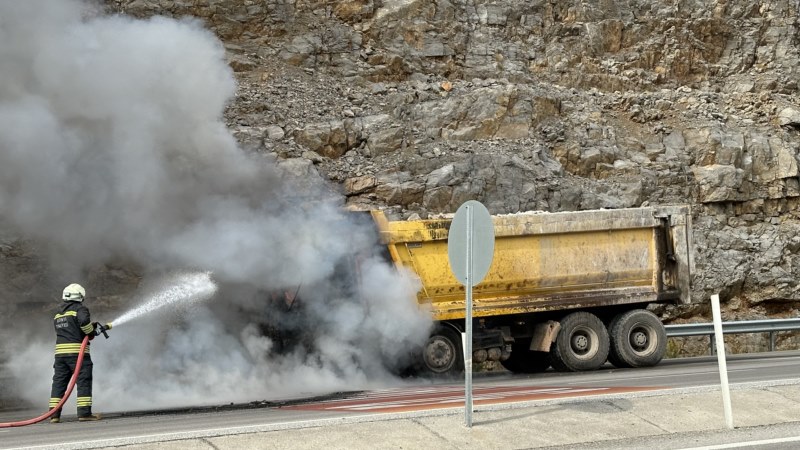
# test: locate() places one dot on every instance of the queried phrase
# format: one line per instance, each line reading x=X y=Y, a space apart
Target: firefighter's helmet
x=73 y=293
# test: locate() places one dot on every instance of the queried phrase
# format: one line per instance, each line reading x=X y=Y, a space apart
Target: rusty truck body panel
x=554 y=261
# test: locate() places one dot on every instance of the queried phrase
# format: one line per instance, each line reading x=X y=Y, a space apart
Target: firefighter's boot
x=89 y=418
x=55 y=418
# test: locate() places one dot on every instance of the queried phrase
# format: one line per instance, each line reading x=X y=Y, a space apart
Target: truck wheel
x=442 y=354
x=612 y=355
x=523 y=360
x=581 y=344
x=638 y=339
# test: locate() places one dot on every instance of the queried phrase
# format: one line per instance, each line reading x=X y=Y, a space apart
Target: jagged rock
x=274 y=133
x=358 y=185
x=440 y=177
x=250 y=138
x=718 y=182
x=241 y=64
x=771 y=160
x=789 y=117
x=327 y=138
x=398 y=188
x=385 y=140
x=622 y=195
x=301 y=49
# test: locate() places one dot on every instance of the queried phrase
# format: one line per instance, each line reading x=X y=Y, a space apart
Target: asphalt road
x=494 y=394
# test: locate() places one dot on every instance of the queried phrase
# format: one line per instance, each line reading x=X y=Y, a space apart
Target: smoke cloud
x=113 y=147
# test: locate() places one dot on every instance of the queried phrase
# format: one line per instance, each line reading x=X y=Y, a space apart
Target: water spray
x=182 y=288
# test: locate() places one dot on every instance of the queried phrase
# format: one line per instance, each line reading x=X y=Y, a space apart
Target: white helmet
x=73 y=293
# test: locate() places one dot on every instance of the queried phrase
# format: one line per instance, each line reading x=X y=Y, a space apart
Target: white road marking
x=746 y=444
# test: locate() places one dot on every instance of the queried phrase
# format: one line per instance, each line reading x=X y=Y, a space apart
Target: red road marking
x=414 y=399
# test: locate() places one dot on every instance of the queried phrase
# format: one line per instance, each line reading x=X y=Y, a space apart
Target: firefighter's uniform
x=72 y=324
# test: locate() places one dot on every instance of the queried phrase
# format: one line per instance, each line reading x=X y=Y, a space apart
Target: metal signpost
x=470 y=249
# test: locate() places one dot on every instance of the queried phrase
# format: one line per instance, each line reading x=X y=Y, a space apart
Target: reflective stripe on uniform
x=68 y=313
x=69 y=349
x=88 y=328
x=84 y=401
x=54 y=402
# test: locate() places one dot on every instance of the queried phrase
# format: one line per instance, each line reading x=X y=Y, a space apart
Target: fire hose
x=100 y=329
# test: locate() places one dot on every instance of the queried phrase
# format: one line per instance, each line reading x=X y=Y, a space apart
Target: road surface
x=683 y=387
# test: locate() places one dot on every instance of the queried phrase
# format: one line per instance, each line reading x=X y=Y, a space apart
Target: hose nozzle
x=101 y=329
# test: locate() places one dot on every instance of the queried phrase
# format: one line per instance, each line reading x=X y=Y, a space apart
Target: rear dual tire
x=638 y=339
x=582 y=343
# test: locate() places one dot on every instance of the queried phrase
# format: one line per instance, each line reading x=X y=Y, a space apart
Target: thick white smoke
x=112 y=145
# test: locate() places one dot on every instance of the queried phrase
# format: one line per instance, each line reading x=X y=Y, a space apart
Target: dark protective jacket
x=72 y=323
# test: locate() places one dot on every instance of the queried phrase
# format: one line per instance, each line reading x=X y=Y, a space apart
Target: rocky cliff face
x=417 y=106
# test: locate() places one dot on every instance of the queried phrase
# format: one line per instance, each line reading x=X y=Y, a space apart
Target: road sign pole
x=468 y=326
x=470 y=260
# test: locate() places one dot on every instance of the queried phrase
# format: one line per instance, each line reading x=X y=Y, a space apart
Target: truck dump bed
x=553 y=261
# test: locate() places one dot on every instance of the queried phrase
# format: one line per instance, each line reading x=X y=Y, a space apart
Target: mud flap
x=544 y=334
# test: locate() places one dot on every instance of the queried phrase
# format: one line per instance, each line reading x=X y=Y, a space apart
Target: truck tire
x=523 y=360
x=638 y=339
x=442 y=355
x=582 y=343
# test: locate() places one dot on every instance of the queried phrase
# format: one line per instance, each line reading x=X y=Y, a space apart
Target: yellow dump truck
x=567 y=289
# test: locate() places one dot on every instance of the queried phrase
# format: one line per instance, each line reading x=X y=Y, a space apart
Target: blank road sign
x=472 y=216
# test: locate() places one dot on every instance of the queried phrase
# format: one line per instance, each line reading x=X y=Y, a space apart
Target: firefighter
x=72 y=323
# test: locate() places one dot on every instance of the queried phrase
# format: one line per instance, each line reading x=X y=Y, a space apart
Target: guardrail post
x=711 y=345
x=723 y=365
x=772 y=341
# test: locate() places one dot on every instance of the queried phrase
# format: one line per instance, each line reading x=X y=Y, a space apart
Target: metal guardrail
x=772 y=327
